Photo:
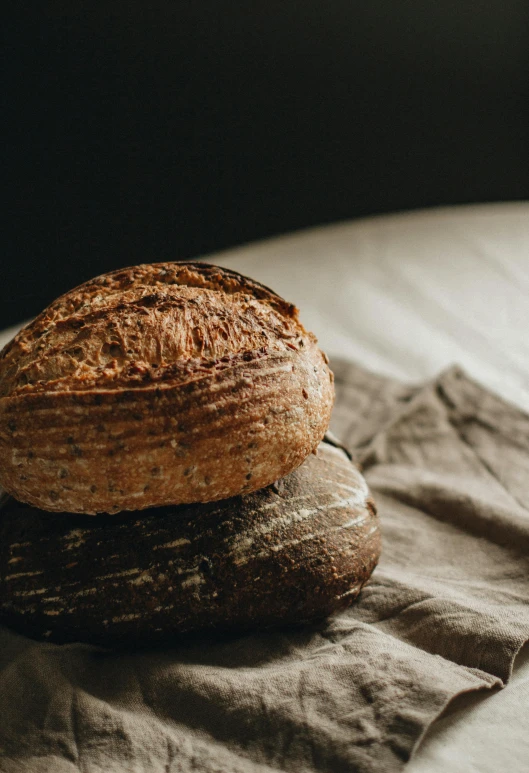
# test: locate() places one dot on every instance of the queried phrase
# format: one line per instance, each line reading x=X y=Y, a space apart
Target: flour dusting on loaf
x=298 y=550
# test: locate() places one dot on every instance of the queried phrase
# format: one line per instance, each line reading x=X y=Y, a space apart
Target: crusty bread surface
x=159 y=384
x=296 y=551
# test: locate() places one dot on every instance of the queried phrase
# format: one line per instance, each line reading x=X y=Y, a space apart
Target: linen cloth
x=444 y=613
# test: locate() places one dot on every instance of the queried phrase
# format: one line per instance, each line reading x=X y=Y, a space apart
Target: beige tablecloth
x=408 y=295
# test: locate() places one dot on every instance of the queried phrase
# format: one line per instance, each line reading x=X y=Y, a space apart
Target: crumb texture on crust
x=165 y=322
x=298 y=550
x=155 y=385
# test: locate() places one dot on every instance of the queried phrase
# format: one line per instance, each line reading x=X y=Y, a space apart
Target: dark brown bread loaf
x=298 y=550
x=159 y=384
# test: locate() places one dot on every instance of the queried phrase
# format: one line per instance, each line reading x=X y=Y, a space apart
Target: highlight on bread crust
x=296 y=551
x=159 y=384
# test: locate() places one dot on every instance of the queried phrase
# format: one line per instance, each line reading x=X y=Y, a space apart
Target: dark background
x=150 y=131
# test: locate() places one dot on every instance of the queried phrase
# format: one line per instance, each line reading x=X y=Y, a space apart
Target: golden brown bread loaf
x=159 y=384
x=298 y=550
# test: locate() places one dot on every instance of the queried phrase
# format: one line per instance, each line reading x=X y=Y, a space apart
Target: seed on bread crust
x=159 y=384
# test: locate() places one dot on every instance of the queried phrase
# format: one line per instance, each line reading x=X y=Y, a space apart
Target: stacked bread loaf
x=194 y=395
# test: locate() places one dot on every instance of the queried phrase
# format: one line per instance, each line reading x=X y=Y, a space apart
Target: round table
x=408 y=295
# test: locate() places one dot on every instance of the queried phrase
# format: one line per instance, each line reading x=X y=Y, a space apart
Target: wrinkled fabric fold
x=445 y=613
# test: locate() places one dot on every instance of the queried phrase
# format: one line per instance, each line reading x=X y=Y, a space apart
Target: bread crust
x=159 y=384
x=296 y=551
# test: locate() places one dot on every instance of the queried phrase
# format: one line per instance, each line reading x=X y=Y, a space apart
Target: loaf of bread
x=295 y=551
x=158 y=385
